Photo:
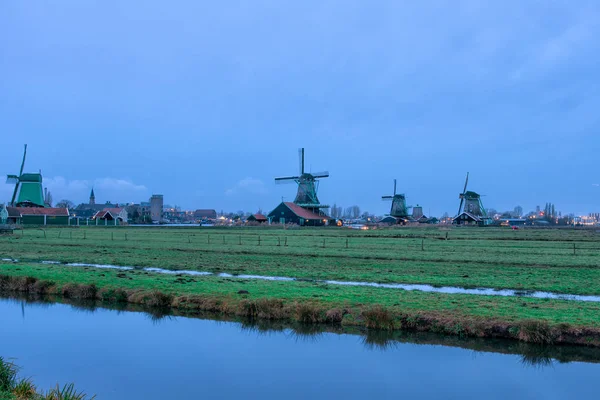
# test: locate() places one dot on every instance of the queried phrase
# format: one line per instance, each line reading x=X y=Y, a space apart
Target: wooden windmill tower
x=308 y=185
x=399 y=209
x=28 y=188
x=470 y=209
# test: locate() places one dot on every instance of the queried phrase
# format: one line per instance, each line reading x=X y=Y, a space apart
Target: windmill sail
x=28 y=187
x=308 y=185
x=470 y=202
x=399 y=209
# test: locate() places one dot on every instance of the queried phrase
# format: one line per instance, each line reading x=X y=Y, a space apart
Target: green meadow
x=556 y=260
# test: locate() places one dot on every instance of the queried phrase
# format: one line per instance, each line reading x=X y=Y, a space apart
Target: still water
x=133 y=355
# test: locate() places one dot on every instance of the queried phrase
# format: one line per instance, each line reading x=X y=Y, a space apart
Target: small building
x=466 y=218
x=156 y=208
x=119 y=213
x=110 y=216
x=260 y=218
x=88 y=210
x=205 y=214
x=389 y=220
x=13 y=216
x=3 y=215
x=42 y=216
x=290 y=213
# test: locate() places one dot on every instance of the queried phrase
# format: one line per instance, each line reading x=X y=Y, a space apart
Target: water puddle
x=172 y=272
x=401 y=286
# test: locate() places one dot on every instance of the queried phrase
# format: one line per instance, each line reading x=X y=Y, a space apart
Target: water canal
x=120 y=354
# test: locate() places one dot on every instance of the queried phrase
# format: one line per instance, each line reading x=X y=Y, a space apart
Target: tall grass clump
x=13 y=388
x=378 y=317
x=68 y=392
x=8 y=376
x=536 y=332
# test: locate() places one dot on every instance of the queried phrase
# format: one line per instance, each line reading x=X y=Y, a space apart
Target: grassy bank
x=529 y=320
x=12 y=387
x=563 y=261
x=556 y=260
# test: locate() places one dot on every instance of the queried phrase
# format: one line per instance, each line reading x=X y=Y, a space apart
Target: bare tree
x=65 y=204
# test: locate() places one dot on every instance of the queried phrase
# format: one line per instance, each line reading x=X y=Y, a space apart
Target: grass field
x=564 y=261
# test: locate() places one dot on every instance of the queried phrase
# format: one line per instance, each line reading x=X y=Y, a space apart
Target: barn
x=43 y=216
x=290 y=213
x=466 y=218
x=258 y=217
x=110 y=216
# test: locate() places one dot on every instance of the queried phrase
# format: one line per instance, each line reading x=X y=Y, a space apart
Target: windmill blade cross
x=301 y=159
x=394 y=187
x=286 y=179
x=323 y=174
x=23 y=163
x=466 y=182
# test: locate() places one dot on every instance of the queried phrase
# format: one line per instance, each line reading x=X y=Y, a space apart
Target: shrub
x=378 y=317
x=536 y=332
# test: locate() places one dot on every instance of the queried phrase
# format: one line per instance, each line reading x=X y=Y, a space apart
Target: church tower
x=92 y=197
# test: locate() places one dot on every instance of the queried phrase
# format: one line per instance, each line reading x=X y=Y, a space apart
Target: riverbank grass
x=12 y=387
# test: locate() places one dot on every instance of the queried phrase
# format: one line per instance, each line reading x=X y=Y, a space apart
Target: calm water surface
x=130 y=355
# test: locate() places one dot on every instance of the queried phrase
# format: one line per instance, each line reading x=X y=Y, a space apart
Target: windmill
x=470 y=202
x=399 y=208
x=308 y=185
x=27 y=186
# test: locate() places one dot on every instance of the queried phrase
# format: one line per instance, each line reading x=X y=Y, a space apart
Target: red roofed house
x=258 y=217
x=117 y=215
x=290 y=213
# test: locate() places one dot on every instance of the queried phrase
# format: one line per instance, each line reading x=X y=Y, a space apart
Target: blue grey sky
x=206 y=102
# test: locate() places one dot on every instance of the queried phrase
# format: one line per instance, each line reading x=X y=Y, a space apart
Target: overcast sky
x=206 y=102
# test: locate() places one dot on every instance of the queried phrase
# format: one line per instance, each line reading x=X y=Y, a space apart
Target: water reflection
x=531 y=355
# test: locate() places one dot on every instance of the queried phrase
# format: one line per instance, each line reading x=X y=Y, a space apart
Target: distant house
x=41 y=216
x=205 y=214
x=116 y=216
x=119 y=213
x=3 y=215
x=88 y=210
x=389 y=220
x=13 y=216
x=257 y=218
x=466 y=218
x=287 y=212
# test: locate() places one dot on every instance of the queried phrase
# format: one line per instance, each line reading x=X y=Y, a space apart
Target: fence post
x=446 y=235
x=70 y=235
x=84 y=234
x=346 y=242
x=573 y=248
x=44 y=233
x=422 y=245
x=278 y=241
x=59 y=232
x=240 y=240
x=323 y=242
x=208 y=239
x=259 y=240
x=285 y=243
x=223 y=239
x=112 y=236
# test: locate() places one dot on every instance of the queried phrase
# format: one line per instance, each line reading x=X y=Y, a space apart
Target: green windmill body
x=28 y=188
x=399 y=209
x=470 y=209
x=308 y=185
